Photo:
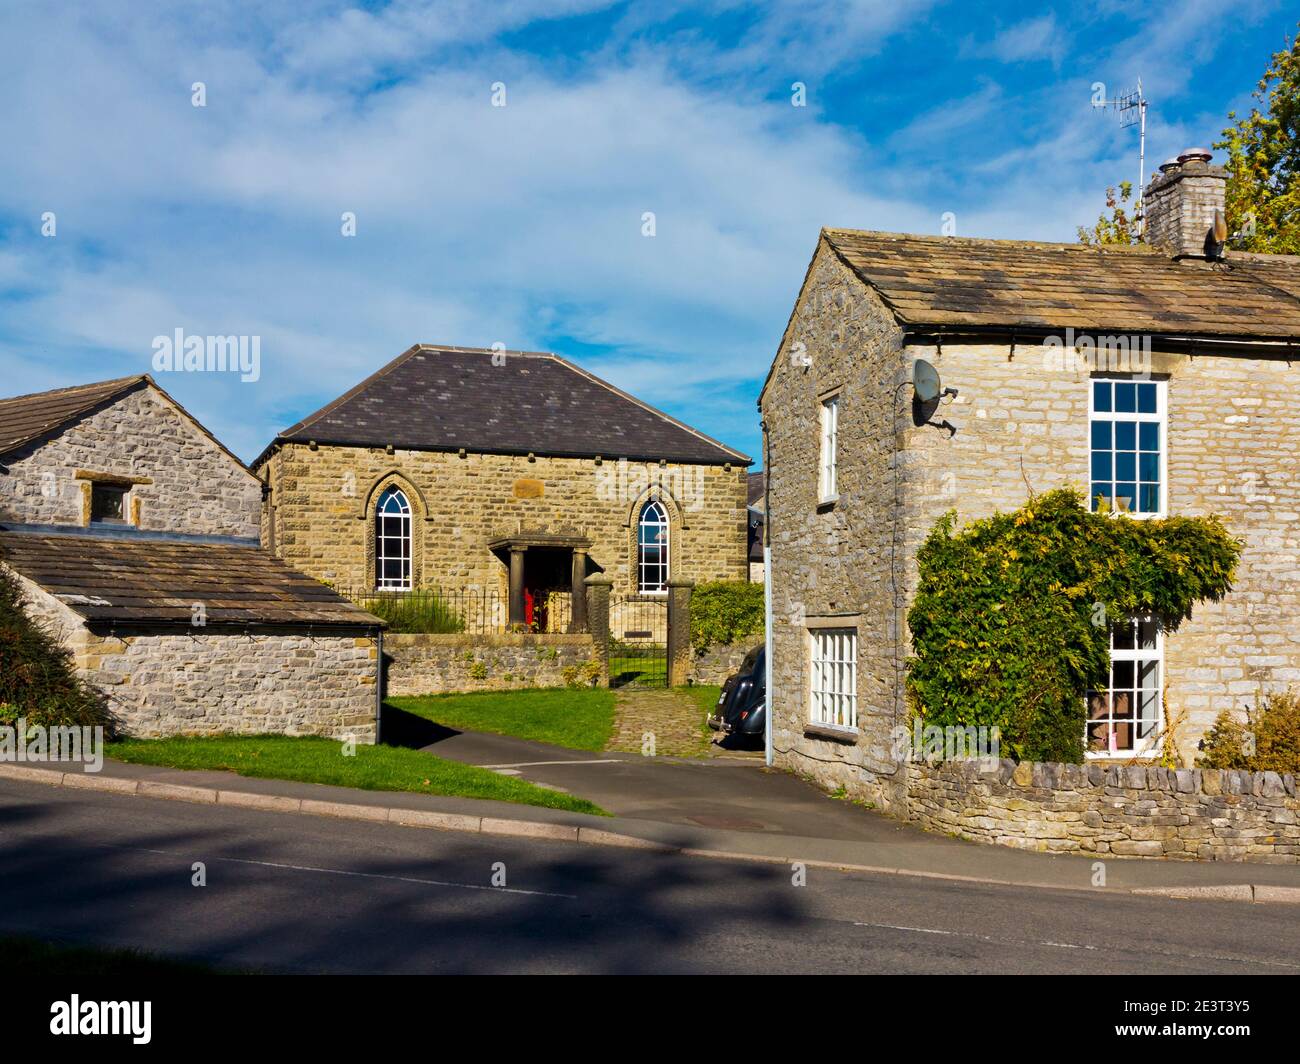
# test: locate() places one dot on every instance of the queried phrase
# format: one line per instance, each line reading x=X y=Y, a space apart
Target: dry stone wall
x=1121 y=810
x=442 y=664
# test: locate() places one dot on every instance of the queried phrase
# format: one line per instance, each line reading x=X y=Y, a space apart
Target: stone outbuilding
x=1154 y=378
x=134 y=535
x=511 y=475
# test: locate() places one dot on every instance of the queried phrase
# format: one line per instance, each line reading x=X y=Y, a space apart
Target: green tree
x=1122 y=226
x=1263 y=195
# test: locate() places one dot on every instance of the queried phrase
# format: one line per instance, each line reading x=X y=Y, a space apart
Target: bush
x=414 y=612
x=725 y=612
x=37 y=678
x=1268 y=740
x=1010 y=626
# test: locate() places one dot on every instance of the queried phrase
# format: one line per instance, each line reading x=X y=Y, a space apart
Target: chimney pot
x=1197 y=154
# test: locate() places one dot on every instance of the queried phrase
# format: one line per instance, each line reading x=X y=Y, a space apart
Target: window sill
x=832 y=732
x=827 y=504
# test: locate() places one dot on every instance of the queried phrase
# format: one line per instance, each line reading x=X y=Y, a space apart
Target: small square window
x=107 y=503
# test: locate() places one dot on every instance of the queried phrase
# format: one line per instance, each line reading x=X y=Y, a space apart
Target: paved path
x=305 y=894
x=664 y=721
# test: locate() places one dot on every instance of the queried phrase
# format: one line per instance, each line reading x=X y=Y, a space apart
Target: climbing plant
x=1011 y=621
x=38 y=683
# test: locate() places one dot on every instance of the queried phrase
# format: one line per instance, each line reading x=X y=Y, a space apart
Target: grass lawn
x=646 y=668
x=27 y=957
x=579 y=718
x=706 y=697
x=314 y=760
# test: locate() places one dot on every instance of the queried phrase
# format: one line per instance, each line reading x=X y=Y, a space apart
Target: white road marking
x=534 y=764
x=313 y=868
x=967 y=934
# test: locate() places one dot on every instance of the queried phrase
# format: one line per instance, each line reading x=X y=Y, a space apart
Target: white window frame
x=833 y=678
x=383 y=541
x=828 y=457
x=1160 y=418
x=1152 y=744
x=647 y=572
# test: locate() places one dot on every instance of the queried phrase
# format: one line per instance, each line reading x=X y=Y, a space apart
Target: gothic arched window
x=652 y=549
x=393 y=541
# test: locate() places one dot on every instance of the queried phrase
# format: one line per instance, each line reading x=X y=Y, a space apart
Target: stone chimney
x=1180 y=202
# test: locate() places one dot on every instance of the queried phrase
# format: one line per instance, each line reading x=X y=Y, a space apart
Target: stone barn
x=133 y=534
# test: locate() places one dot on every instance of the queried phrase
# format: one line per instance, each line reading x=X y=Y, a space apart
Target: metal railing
x=471 y=611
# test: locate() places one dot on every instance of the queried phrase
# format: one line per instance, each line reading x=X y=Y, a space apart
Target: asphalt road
x=298 y=893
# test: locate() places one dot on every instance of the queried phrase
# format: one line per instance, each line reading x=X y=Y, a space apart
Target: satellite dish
x=925 y=381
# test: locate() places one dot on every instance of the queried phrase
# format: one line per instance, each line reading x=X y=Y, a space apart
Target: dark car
x=742 y=705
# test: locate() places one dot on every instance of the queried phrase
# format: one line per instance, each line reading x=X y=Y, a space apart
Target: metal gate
x=638 y=641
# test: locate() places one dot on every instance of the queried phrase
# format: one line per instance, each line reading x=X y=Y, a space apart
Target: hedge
x=724 y=611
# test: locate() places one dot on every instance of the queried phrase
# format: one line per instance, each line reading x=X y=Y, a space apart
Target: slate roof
x=28 y=417
x=954 y=282
x=445 y=398
x=150 y=581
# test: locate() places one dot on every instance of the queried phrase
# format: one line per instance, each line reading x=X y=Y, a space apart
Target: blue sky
x=522 y=224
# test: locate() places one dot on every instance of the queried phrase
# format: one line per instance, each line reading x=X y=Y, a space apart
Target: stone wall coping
x=1053 y=775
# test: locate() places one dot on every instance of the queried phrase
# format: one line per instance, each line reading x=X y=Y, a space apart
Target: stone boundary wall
x=1120 y=810
x=442 y=664
x=714 y=665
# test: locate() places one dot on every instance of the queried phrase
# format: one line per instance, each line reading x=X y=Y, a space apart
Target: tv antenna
x=1131 y=106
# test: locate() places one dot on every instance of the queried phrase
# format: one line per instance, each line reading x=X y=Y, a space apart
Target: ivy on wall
x=1011 y=621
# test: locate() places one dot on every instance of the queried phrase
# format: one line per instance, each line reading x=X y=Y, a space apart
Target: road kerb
x=26 y=772
x=275 y=803
x=345 y=810
x=85 y=782
x=600 y=837
x=177 y=792
x=528 y=829
x=427 y=818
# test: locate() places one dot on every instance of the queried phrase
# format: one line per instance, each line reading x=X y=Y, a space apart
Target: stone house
x=757 y=492
x=1151 y=377
x=133 y=534
x=509 y=474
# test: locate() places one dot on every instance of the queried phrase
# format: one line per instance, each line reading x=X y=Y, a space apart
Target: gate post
x=679 y=631
x=598 y=588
